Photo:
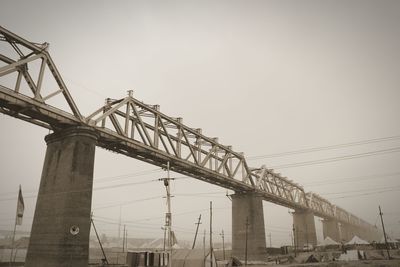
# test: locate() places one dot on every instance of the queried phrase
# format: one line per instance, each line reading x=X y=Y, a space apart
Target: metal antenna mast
x=168 y=216
x=197 y=230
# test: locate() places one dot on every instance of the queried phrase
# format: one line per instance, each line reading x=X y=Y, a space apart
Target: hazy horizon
x=267 y=77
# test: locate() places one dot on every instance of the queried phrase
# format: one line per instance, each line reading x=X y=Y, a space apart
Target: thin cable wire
x=350 y=179
x=315 y=149
x=367 y=194
x=341 y=158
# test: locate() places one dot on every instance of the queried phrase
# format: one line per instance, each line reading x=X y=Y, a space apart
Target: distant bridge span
x=130 y=127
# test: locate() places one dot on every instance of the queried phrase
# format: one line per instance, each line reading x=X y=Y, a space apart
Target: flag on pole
x=20 y=207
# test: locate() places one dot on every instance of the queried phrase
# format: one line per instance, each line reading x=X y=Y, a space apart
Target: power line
x=315 y=149
x=205 y=194
x=127 y=202
x=85 y=190
x=123 y=176
x=350 y=179
x=334 y=159
x=367 y=194
x=128 y=175
x=362 y=190
x=179 y=214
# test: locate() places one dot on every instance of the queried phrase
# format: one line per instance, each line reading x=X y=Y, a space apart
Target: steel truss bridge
x=141 y=131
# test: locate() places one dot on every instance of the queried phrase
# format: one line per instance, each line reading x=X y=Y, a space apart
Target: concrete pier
x=331 y=228
x=304 y=225
x=346 y=232
x=61 y=224
x=248 y=207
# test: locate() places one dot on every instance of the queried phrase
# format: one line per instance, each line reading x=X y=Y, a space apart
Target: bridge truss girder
x=141 y=131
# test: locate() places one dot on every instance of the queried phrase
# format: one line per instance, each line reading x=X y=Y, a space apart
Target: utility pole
x=168 y=216
x=384 y=232
x=197 y=230
x=223 y=242
x=165 y=233
x=270 y=242
x=123 y=240
x=291 y=238
x=211 y=248
x=294 y=241
x=98 y=239
x=126 y=240
x=204 y=243
x=245 y=251
x=119 y=222
x=306 y=235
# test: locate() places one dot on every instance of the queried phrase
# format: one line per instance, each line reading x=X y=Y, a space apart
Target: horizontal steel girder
x=130 y=127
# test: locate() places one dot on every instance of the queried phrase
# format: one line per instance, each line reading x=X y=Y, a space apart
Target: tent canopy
x=357 y=241
x=328 y=241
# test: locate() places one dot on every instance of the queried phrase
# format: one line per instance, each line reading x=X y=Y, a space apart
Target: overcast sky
x=264 y=76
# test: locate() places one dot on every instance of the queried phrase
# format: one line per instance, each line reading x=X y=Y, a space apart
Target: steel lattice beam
x=141 y=131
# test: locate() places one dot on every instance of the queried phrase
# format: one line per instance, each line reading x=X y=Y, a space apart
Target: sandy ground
x=374 y=263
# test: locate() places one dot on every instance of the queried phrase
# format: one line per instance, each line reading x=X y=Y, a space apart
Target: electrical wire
x=350 y=179
x=123 y=176
x=341 y=158
x=362 y=190
x=367 y=194
x=315 y=149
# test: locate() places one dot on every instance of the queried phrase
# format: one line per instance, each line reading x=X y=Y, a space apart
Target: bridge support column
x=304 y=225
x=248 y=207
x=346 y=232
x=61 y=224
x=331 y=228
x=362 y=233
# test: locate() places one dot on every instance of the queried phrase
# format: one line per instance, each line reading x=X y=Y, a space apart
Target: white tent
x=357 y=241
x=328 y=241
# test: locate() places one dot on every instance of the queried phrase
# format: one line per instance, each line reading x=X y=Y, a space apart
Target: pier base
x=248 y=224
x=61 y=224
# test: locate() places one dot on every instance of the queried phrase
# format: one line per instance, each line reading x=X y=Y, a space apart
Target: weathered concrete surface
x=248 y=206
x=331 y=228
x=64 y=201
x=346 y=232
x=304 y=225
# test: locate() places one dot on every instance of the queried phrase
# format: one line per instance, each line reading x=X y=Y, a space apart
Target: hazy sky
x=264 y=76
